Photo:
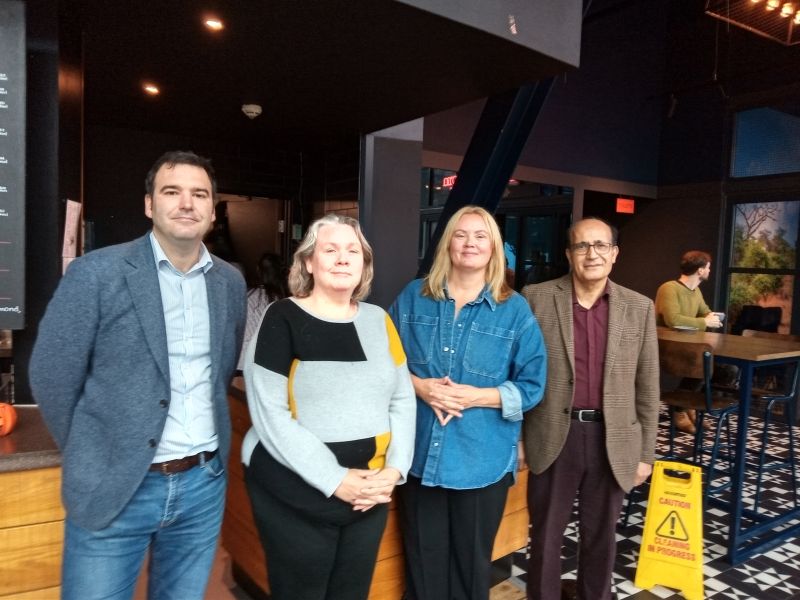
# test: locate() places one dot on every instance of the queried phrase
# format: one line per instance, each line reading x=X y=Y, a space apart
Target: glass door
x=535 y=240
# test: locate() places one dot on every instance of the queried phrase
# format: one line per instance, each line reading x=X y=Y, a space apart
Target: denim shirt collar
x=485 y=295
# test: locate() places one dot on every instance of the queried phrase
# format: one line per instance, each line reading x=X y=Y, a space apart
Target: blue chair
x=695 y=361
x=775 y=389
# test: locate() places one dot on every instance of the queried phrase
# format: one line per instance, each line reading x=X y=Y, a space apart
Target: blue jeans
x=178 y=517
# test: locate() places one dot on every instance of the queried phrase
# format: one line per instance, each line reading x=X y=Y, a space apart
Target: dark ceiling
x=323 y=70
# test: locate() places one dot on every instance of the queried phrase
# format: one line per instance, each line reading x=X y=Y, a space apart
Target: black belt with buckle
x=585 y=415
x=182 y=464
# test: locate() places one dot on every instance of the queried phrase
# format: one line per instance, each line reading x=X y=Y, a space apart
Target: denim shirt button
x=446 y=349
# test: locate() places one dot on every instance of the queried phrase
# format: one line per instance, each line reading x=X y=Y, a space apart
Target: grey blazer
x=100 y=372
x=630 y=379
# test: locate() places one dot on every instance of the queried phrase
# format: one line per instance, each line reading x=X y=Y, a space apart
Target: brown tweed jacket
x=630 y=379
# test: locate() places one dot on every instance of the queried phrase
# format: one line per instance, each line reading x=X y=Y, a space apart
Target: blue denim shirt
x=488 y=344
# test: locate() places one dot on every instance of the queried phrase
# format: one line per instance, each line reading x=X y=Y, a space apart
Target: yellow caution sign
x=672 y=545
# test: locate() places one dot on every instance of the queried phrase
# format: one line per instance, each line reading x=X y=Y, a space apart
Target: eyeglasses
x=599 y=247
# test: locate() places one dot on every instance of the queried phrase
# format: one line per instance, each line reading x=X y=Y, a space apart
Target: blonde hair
x=301 y=282
x=442 y=266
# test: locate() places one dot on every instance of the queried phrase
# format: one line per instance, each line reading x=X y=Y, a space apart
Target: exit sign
x=450 y=180
x=626 y=205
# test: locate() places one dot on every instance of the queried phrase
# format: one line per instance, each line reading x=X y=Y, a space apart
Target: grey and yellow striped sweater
x=327 y=395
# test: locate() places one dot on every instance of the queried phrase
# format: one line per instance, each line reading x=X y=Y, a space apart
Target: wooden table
x=747 y=353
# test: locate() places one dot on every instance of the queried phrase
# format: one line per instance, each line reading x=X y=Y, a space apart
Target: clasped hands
x=447 y=398
x=364 y=488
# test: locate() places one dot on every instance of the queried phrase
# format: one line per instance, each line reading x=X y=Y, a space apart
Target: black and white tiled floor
x=774 y=575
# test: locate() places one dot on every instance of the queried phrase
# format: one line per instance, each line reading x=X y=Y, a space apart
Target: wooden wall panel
x=391 y=542
x=53 y=593
x=388 y=580
x=512 y=534
x=33 y=554
x=30 y=497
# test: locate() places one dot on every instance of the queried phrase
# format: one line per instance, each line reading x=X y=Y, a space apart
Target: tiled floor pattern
x=774 y=575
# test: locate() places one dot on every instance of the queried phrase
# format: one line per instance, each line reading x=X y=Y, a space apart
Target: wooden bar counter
x=240 y=538
x=31 y=515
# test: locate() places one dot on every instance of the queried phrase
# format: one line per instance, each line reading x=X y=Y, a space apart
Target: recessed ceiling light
x=214 y=24
x=151 y=89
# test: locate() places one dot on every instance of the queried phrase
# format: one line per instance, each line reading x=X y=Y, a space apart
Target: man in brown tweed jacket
x=593 y=435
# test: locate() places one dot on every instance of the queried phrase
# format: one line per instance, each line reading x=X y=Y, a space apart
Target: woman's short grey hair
x=301 y=282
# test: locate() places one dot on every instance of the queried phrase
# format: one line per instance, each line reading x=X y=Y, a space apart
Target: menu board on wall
x=12 y=164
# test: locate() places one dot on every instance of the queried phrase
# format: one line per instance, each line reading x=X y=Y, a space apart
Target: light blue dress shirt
x=190 y=419
x=489 y=344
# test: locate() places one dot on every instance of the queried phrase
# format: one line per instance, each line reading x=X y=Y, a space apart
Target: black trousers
x=581 y=470
x=448 y=537
x=317 y=548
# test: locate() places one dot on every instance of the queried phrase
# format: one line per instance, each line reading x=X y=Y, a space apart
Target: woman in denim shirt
x=477 y=361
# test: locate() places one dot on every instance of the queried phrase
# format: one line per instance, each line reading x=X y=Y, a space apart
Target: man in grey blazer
x=130 y=370
x=593 y=435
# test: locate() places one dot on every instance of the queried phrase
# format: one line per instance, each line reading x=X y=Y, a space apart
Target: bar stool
x=782 y=395
x=694 y=361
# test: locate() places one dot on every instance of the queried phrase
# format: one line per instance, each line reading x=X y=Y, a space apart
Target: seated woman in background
x=271 y=287
x=477 y=360
x=333 y=414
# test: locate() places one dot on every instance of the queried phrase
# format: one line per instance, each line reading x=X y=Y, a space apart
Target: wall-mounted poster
x=12 y=164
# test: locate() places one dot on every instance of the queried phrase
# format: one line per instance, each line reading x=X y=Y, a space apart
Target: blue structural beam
x=493 y=152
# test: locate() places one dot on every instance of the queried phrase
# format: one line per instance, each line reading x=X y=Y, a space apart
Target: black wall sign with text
x=12 y=164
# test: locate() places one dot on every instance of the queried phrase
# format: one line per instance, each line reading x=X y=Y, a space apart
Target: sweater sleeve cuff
x=328 y=484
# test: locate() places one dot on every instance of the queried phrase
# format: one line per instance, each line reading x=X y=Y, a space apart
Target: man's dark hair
x=180 y=157
x=693 y=260
x=571 y=230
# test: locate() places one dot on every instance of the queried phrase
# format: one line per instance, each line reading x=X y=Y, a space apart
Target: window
x=763 y=260
x=766 y=141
